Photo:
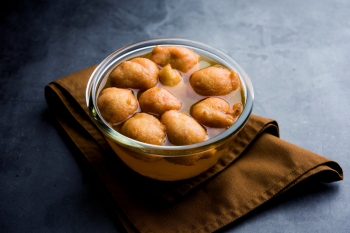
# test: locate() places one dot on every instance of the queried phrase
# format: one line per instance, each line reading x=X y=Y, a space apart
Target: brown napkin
x=264 y=166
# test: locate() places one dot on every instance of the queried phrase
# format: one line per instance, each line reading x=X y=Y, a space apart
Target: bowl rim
x=164 y=151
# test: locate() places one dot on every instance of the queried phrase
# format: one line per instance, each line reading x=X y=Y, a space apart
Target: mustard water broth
x=185 y=93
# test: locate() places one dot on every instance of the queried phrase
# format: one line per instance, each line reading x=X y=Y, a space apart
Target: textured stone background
x=297 y=54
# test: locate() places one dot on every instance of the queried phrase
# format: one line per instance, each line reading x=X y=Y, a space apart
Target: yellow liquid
x=171 y=168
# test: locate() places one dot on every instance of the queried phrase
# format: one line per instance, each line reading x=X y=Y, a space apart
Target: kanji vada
x=214 y=81
x=179 y=58
x=182 y=129
x=158 y=101
x=138 y=73
x=135 y=128
x=169 y=77
x=169 y=108
x=117 y=104
x=216 y=113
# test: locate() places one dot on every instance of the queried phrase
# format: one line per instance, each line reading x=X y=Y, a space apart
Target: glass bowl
x=167 y=163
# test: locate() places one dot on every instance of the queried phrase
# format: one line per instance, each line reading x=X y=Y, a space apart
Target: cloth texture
x=257 y=167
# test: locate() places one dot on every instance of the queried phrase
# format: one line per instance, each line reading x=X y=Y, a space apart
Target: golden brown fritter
x=144 y=128
x=179 y=58
x=215 y=112
x=157 y=100
x=214 y=81
x=169 y=77
x=182 y=129
x=138 y=73
x=116 y=104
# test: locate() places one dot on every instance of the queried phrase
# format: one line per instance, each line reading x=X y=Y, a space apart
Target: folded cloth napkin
x=257 y=167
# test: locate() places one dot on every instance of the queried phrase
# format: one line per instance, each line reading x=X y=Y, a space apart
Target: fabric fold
x=257 y=167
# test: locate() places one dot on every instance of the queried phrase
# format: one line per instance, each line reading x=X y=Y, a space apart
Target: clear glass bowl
x=166 y=163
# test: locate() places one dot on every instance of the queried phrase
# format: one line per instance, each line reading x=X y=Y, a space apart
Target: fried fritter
x=169 y=77
x=215 y=112
x=182 y=129
x=179 y=58
x=144 y=128
x=138 y=73
x=157 y=100
x=214 y=81
x=116 y=104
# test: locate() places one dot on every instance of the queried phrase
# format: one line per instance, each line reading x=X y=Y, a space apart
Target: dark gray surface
x=297 y=54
